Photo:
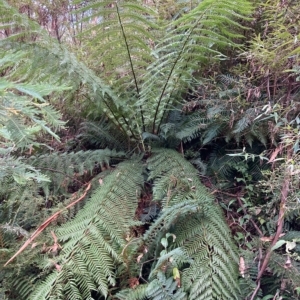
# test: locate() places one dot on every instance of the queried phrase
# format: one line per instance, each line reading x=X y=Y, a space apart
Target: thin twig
x=251 y=220
x=243 y=208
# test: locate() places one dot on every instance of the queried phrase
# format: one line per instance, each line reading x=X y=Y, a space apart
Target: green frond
x=190 y=128
x=246 y=120
x=121 y=38
x=175 y=178
x=19 y=184
x=24 y=113
x=213 y=130
x=193 y=39
x=165 y=288
x=55 y=63
x=159 y=288
x=139 y=293
x=164 y=222
x=228 y=80
x=200 y=228
x=40 y=291
x=65 y=168
x=103 y=134
x=122 y=33
x=174 y=258
x=93 y=240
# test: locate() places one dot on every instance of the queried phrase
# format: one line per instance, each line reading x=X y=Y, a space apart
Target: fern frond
x=213 y=130
x=121 y=37
x=175 y=179
x=228 y=79
x=190 y=128
x=165 y=288
x=94 y=239
x=103 y=135
x=139 y=293
x=22 y=117
x=203 y=235
x=192 y=39
x=159 y=288
x=65 y=168
x=245 y=121
x=46 y=57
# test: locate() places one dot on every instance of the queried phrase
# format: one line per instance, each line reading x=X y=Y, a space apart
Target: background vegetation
x=149 y=149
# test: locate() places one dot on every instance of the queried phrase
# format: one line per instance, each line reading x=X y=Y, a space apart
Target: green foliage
x=197 y=36
x=141 y=81
x=22 y=117
x=94 y=238
x=199 y=229
x=103 y=134
x=64 y=168
x=159 y=288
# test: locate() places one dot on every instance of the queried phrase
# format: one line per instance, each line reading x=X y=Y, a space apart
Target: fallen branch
x=282 y=209
x=45 y=225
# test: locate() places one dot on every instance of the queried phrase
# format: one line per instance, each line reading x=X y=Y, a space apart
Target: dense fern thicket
x=149 y=150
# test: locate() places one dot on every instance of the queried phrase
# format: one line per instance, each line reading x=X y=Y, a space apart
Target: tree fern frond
x=64 y=168
x=175 y=179
x=165 y=288
x=193 y=37
x=164 y=222
x=176 y=257
x=228 y=80
x=103 y=134
x=204 y=235
x=23 y=116
x=42 y=61
x=123 y=32
x=139 y=293
x=42 y=290
x=245 y=121
x=93 y=240
x=191 y=127
x=159 y=288
x=213 y=130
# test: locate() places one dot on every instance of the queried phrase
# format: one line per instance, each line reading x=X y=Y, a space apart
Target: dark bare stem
x=131 y=64
x=172 y=69
x=165 y=109
x=170 y=75
x=120 y=125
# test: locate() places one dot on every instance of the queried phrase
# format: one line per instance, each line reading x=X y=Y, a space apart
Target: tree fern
x=122 y=31
x=135 y=86
x=55 y=59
